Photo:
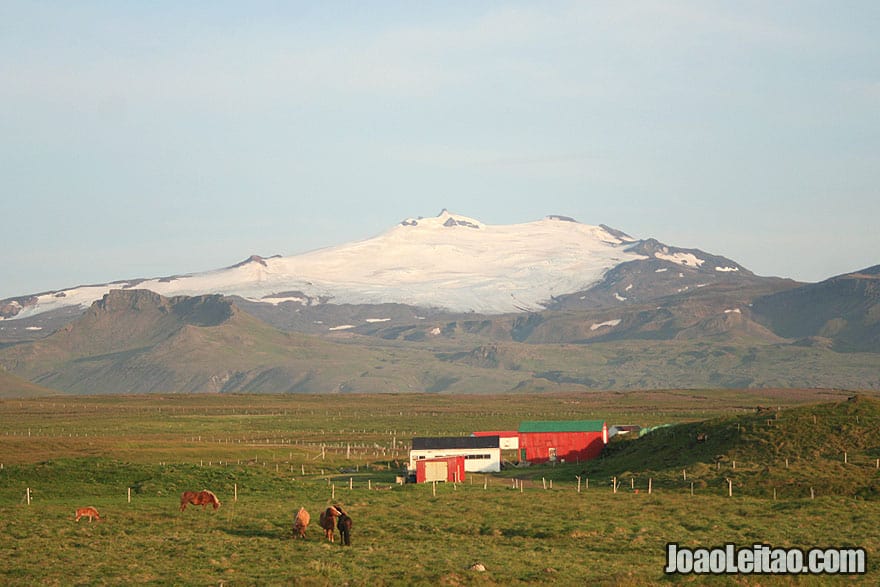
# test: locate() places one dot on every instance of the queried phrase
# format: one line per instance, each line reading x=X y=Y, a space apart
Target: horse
x=344 y=525
x=327 y=520
x=202 y=498
x=87 y=512
x=300 y=523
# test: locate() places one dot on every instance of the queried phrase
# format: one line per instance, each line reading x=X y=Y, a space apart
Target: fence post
x=729 y=488
x=129 y=495
x=650 y=483
x=29 y=496
x=235 y=492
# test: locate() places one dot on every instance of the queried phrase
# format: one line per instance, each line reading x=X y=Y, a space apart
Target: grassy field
x=265 y=456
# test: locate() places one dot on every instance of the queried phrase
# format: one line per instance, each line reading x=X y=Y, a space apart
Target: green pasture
x=266 y=456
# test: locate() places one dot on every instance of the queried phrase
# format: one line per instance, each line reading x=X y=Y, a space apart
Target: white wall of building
x=476 y=460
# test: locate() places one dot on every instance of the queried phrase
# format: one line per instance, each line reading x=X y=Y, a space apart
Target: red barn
x=565 y=440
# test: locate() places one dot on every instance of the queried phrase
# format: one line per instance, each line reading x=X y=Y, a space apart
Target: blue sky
x=140 y=139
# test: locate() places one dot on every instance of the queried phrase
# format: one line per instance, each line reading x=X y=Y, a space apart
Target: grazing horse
x=87 y=512
x=202 y=498
x=344 y=525
x=300 y=523
x=327 y=520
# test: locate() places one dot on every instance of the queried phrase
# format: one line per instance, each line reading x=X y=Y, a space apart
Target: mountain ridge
x=449 y=262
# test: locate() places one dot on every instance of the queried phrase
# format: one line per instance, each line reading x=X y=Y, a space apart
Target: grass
x=90 y=450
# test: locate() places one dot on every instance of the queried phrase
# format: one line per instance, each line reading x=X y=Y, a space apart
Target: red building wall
x=570 y=446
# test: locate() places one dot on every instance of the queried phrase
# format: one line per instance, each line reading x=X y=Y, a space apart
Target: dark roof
x=426 y=443
x=562 y=426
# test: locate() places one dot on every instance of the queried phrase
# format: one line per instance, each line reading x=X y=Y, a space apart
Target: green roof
x=562 y=426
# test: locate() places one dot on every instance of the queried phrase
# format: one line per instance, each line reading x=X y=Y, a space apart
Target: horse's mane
x=211 y=493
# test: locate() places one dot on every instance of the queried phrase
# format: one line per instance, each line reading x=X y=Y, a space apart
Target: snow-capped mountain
x=448 y=262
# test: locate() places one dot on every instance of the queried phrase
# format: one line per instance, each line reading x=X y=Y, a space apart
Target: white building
x=482 y=454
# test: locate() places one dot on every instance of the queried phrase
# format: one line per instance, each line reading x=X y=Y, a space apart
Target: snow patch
x=662 y=270
x=34 y=328
x=733 y=311
x=372 y=320
x=435 y=331
x=275 y=301
x=687 y=259
x=726 y=269
x=619 y=297
x=629 y=287
x=609 y=323
x=342 y=327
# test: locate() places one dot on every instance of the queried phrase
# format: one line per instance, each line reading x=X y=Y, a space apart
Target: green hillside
x=831 y=449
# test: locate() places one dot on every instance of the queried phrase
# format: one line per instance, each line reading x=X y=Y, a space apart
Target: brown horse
x=202 y=498
x=344 y=525
x=87 y=512
x=327 y=520
x=300 y=523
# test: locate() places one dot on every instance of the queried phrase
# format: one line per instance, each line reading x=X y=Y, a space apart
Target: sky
x=144 y=139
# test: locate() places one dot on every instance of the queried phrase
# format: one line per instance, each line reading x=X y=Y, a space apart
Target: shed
x=562 y=440
x=482 y=454
x=440 y=469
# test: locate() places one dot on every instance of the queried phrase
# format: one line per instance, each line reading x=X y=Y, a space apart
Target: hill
x=12 y=386
x=139 y=341
x=831 y=449
x=844 y=311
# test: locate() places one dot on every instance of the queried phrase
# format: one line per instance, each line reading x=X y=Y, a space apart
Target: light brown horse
x=300 y=523
x=202 y=498
x=87 y=512
x=327 y=520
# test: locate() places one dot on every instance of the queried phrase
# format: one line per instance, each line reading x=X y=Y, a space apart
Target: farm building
x=564 y=440
x=442 y=469
x=482 y=454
